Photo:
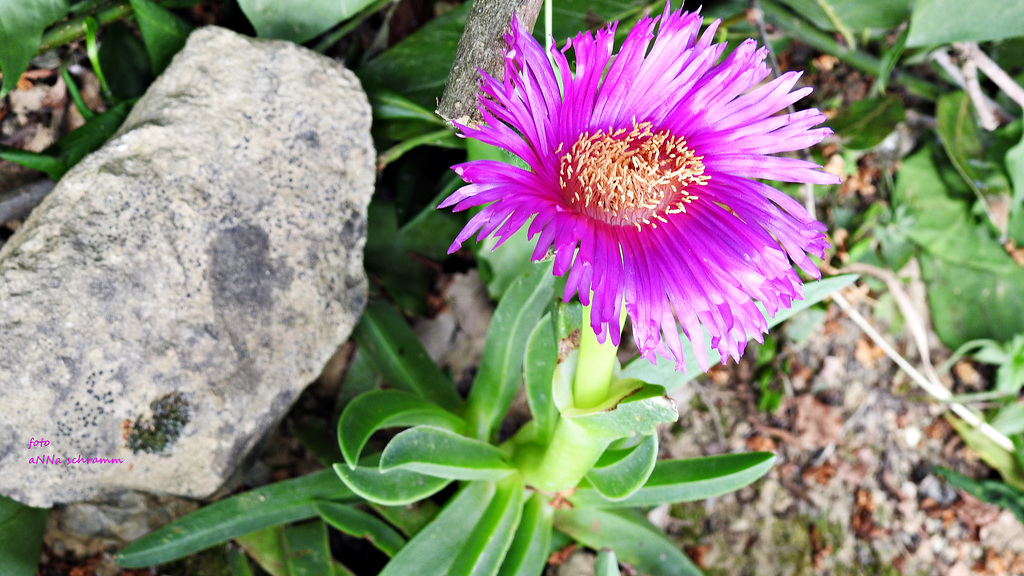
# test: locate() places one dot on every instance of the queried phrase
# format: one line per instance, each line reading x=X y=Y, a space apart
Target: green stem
x=567 y=458
x=862 y=61
x=74 y=29
x=595 y=367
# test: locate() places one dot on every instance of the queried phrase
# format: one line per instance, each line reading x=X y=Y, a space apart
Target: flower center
x=630 y=177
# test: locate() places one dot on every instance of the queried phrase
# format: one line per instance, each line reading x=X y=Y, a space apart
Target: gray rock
x=172 y=296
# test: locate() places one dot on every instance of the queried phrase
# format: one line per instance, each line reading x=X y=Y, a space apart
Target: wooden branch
x=482 y=46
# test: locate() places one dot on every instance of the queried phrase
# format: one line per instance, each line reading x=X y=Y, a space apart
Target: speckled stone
x=173 y=295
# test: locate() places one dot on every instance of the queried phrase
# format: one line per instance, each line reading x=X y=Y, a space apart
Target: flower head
x=643 y=179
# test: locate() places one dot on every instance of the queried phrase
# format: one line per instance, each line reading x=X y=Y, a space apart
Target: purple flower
x=643 y=179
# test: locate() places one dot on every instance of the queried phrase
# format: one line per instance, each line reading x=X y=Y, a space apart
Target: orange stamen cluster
x=630 y=176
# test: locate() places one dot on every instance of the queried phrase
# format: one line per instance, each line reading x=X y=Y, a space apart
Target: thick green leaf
x=271 y=505
x=529 y=550
x=21 y=537
x=627 y=533
x=538 y=372
x=483 y=552
x=433 y=551
x=865 y=123
x=991 y=491
x=633 y=408
x=686 y=480
x=355 y=522
x=500 y=372
x=619 y=473
x=238 y=562
x=1015 y=168
x=409 y=519
x=962 y=140
x=1007 y=463
x=853 y=15
x=404 y=70
x=56 y=160
x=438 y=452
x=267 y=548
x=396 y=353
x=388 y=105
x=946 y=21
x=607 y=564
x=298 y=20
x=380 y=409
x=124 y=62
x=1010 y=419
x=394 y=488
x=163 y=32
x=307 y=550
x=664 y=372
x=21 y=32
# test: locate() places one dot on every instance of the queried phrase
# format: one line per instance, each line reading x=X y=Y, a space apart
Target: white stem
x=934 y=388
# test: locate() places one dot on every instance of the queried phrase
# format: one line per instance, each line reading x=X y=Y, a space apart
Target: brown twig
x=482 y=47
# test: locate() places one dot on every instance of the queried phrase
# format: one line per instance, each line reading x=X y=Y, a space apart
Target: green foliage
x=21 y=537
x=298 y=20
x=56 y=160
x=273 y=505
x=357 y=523
x=974 y=286
x=620 y=473
x=853 y=15
x=500 y=370
x=438 y=452
x=991 y=491
x=393 y=349
x=627 y=533
x=865 y=123
x=163 y=33
x=945 y=21
x=21 y=32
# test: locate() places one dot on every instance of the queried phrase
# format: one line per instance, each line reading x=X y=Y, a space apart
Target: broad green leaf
x=21 y=32
x=538 y=372
x=396 y=353
x=946 y=21
x=627 y=533
x=664 y=372
x=686 y=480
x=500 y=371
x=386 y=258
x=271 y=505
x=163 y=32
x=403 y=69
x=482 y=553
x=433 y=551
x=853 y=15
x=124 y=62
x=380 y=409
x=355 y=522
x=298 y=20
x=21 y=537
x=1010 y=419
x=528 y=553
x=865 y=123
x=438 y=452
x=572 y=16
x=394 y=488
x=307 y=550
x=962 y=140
x=607 y=564
x=633 y=408
x=619 y=473
x=51 y=166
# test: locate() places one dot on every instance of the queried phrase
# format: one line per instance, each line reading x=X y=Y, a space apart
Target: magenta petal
x=679 y=274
